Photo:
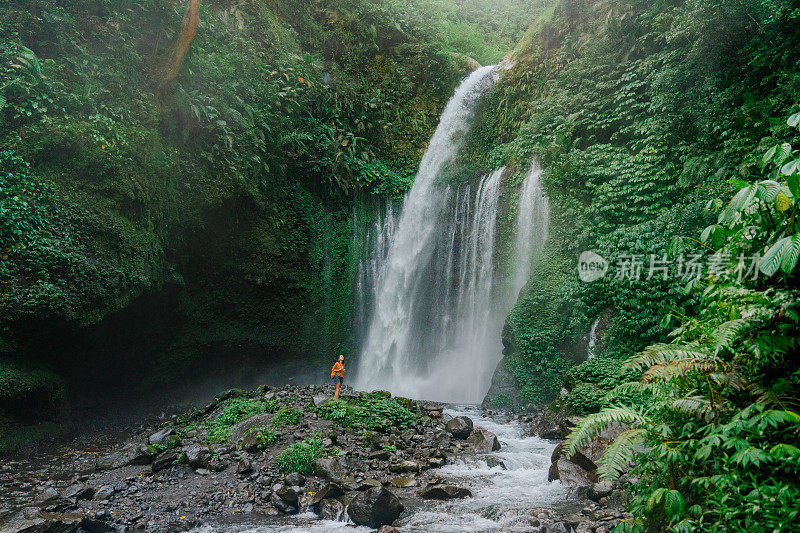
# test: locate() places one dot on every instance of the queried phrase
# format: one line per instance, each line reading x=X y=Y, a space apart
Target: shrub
x=287 y=417
x=301 y=456
x=368 y=411
x=265 y=437
x=233 y=411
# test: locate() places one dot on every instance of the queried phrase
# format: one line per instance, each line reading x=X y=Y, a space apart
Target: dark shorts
x=338 y=379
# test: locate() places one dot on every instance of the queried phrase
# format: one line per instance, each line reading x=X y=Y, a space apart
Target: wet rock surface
x=169 y=476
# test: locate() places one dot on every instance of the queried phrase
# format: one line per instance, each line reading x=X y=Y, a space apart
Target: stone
x=459 y=427
x=103 y=493
x=198 y=456
x=375 y=507
x=331 y=490
x=483 y=441
x=244 y=466
x=387 y=529
x=494 y=462
x=160 y=436
x=330 y=469
x=164 y=461
x=295 y=478
x=402 y=481
x=288 y=494
x=78 y=491
x=331 y=509
x=244 y=433
x=597 y=491
x=380 y=455
x=405 y=466
x=444 y=492
x=130 y=454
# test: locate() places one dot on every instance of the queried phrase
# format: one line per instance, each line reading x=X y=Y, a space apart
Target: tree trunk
x=170 y=65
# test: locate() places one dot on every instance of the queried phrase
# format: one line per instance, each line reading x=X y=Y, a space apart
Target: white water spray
x=533 y=216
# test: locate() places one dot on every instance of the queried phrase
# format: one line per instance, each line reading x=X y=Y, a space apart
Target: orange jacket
x=337 y=370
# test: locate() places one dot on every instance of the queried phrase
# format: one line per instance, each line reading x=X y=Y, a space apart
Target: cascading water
x=592 y=340
x=533 y=216
x=436 y=308
x=397 y=353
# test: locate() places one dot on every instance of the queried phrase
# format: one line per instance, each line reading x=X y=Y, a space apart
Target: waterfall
x=438 y=275
x=431 y=307
x=533 y=215
x=592 y=340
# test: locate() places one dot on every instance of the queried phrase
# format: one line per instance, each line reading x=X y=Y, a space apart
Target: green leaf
x=772 y=259
x=793 y=120
x=790 y=168
x=768 y=190
x=769 y=155
x=674 y=504
x=790 y=254
x=794 y=185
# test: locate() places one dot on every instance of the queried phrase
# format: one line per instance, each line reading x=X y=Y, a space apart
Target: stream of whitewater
x=503 y=498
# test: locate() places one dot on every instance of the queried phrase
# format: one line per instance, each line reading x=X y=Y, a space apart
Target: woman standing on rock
x=337 y=374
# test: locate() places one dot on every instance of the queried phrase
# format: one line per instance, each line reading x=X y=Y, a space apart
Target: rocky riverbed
x=280 y=459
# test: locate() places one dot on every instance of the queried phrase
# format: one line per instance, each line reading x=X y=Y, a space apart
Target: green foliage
x=230 y=413
x=301 y=456
x=369 y=411
x=640 y=116
x=265 y=437
x=234 y=186
x=287 y=417
x=716 y=442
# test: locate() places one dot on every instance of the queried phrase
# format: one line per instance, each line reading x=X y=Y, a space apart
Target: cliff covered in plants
x=178 y=178
x=642 y=114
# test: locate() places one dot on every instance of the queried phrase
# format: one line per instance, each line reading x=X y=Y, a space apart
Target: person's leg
x=338 y=386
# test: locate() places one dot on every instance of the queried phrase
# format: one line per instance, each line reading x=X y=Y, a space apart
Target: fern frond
x=677 y=369
x=593 y=424
x=726 y=333
x=695 y=406
x=619 y=454
x=661 y=354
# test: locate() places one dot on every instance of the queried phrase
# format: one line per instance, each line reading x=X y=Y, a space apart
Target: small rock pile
x=172 y=476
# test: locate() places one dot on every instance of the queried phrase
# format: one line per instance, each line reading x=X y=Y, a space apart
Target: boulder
x=483 y=441
x=78 y=491
x=598 y=491
x=580 y=470
x=375 y=507
x=295 y=479
x=331 y=509
x=444 y=492
x=104 y=493
x=244 y=433
x=198 y=456
x=160 y=436
x=288 y=494
x=331 y=490
x=164 y=461
x=459 y=427
x=130 y=454
x=493 y=462
x=330 y=469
